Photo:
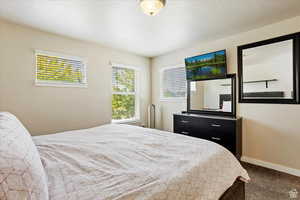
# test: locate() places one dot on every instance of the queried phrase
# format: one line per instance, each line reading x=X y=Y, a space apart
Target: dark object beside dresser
x=226 y=131
x=235 y=192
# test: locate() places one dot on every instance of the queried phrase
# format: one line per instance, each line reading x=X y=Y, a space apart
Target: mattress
x=123 y=162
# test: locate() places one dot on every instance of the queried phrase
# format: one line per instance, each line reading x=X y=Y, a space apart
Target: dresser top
x=208 y=116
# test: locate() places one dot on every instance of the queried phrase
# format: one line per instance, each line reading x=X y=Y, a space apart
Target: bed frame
x=235 y=192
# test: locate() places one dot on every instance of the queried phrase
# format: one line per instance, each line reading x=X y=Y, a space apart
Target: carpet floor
x=268 y=184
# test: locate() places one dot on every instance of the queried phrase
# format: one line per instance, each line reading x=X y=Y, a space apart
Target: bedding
x=122 y=162
x=22 y=174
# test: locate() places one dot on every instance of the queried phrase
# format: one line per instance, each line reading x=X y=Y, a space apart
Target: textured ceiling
x=122 y=25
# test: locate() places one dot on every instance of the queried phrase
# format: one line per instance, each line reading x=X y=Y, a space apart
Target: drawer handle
x=185 y=132
x=215 y=125
x=184 y=121
x=215 y=138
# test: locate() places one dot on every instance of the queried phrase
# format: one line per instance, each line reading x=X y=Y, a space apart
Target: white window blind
x=124 y=94
x=173 y=83
x=56 y=70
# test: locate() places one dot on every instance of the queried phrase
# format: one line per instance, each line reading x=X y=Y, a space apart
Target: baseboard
x=281 y=168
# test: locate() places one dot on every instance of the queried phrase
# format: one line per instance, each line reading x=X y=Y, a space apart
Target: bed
x=129 y=162
x=123 y=162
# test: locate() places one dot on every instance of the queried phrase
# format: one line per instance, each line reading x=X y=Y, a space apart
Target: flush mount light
x=152 y=7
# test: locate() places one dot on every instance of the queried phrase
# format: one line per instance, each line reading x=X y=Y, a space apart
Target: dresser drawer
x=223 y=132
x=184 y=125
x=218 y=125
x=228 y=143
x=213 y=128
x=191 y=126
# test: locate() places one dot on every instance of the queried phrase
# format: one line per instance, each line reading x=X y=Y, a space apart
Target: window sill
x=123 y=121
x=48 y=84
x=174 y=99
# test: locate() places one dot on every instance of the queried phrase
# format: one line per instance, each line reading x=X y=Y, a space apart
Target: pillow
x=226 y=106
x=22 y=175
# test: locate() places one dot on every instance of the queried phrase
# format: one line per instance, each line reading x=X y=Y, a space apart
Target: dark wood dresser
x=226 y=131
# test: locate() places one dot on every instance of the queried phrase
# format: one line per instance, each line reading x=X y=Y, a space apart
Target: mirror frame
x=218 y=113
x=296 y=62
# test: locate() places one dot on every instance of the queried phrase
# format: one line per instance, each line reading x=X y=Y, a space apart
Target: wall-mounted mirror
x=212 y=96
x=269 y=71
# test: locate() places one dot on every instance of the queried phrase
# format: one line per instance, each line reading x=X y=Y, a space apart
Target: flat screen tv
x=206 y=66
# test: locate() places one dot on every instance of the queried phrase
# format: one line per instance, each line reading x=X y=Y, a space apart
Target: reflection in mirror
x=211 y=95
x=268 y=71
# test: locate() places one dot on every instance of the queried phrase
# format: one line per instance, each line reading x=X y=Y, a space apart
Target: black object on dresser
x=226 y=131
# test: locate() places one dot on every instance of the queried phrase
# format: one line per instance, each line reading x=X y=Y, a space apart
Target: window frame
x=58 y=84
x=136 y=117
x=162 y=98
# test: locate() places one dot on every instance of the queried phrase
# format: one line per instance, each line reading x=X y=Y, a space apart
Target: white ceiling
x=122 y=25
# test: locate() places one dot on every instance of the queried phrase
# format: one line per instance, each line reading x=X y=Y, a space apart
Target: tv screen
x=206 y=66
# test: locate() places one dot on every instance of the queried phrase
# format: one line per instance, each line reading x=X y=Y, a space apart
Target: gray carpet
x=267 y=184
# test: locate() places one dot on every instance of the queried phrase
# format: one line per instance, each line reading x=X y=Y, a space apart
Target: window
x=173 y=81
x=125 y=99
x=58 y=70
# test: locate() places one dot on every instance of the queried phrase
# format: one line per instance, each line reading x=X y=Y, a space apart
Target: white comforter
x=122 y=162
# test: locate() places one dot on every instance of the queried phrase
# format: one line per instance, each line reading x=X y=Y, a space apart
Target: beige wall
x=271 y=132
x=46 y=110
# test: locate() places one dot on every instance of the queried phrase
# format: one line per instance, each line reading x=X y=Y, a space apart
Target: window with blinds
x=174 y=83
x=56 y=70
x=124 y=94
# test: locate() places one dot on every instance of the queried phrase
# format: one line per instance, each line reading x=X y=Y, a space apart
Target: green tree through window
x=124 y=93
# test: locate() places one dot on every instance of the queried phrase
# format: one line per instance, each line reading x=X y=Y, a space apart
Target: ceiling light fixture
x=152 y=7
